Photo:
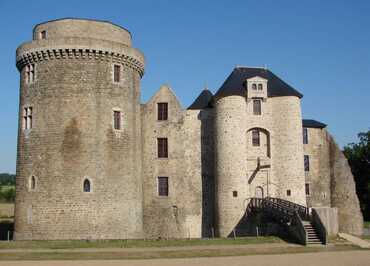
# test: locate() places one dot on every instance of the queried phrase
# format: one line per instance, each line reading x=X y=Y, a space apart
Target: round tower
x=79 y=140
x=230 y=163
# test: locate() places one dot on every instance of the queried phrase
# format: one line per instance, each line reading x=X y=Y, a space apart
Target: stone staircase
x=312 y=237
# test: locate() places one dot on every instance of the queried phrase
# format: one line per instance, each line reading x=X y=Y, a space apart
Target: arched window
x=260 y=86
x=86 y=185
x=254 y=86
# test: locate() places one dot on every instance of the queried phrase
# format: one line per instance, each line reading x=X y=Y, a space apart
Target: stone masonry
x=87 y=158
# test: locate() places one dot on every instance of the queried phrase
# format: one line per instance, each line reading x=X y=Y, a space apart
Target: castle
x=95 y=163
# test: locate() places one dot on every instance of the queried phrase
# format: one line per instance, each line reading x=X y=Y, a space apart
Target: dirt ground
x=342 y=258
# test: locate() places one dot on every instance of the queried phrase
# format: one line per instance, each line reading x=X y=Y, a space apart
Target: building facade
x=95 y=163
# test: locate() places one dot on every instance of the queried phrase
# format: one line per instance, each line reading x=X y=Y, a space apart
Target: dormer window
x=254 y=86
x=260 y=87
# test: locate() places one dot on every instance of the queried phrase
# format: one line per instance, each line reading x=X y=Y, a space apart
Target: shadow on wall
x=207 y=169
x=6 y=230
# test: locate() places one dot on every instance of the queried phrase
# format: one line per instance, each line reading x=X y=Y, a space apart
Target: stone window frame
x=164 y=191
x=260 y=86
x=305 y=135
x=43 y=35
x=235 y=194
x=30 y=73
x=254 y=86
x=32 y=186
x=289 y=193
x=162 y=153
x=114 y=110
x=114 y=66
x=306 y=161
x=161 y=114
x=256 y=137
x=307 y=188
x=90 y=184
x=257 y=108
x=27 y=117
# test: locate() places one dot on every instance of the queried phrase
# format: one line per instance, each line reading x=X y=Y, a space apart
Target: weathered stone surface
x=343 y=192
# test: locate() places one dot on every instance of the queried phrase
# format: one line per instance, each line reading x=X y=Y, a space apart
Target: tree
x=358 y=155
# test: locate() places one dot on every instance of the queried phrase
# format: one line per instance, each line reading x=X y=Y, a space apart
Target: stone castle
x=95 y=163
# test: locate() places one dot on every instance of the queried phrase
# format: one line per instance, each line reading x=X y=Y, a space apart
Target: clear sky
x=321 y=48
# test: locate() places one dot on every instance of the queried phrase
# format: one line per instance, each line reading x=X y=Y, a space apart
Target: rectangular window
x=43 y=34
x=257 y=107
x=162 y=109
x=305 y=135
x=117 y=73
x=117 y=120
x=255 y=137
x=306 y=163
x=163 y=186
x=307 y=187
x=27 y=118
x=162 y=147
x=288 y=193
x=30 y=73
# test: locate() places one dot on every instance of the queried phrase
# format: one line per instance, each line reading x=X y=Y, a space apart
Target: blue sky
x=319 y=47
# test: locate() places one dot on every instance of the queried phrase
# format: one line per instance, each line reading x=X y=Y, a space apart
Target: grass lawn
x=72 y=244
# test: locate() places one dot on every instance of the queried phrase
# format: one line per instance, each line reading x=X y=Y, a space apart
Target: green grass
x=73 y=244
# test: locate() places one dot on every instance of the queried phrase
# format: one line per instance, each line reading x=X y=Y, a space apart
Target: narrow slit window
x=288 y=192
x=27 y=118
x=257 y=107
x=33 y=183
x=307 y=188
x=86 y=185
x=306 y=163
x=163 y=186
x=117 y=73
x=255 y=137
x=117 y=120
x=162 y=147
x=162 y=111
x=305 y=135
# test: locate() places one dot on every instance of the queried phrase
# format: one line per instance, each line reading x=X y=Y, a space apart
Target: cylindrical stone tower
x=78 y=162
x=230 y=162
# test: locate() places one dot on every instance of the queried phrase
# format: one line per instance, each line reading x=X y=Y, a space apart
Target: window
x=43 y=34
x=260 y=87
x=305 y=135
x=257 y=107
x=307 y=188
x=32 y=183
x=163 y=186
x=162 y=147
x=255 y=137
x=162 y=109
x=86 y=185
x=254 y=86
x=117 y=73
x=117 y=120
x=30 y=73
x=306 y=163
x=27 y=118
x=288 y=193
x=235 y=193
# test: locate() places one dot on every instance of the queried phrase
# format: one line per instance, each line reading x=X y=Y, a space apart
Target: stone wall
x=343 y=192
x=73 y=139
x=179 y=214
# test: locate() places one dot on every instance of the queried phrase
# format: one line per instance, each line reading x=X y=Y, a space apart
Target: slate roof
x=202 y=101
x=312 y=123
x=234 y=84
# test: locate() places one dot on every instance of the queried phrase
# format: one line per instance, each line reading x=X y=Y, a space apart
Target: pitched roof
x=202 y=101
x=312 y=123
x=234 y=84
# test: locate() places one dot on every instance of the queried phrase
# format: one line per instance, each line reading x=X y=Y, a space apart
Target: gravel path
x=342 y=258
